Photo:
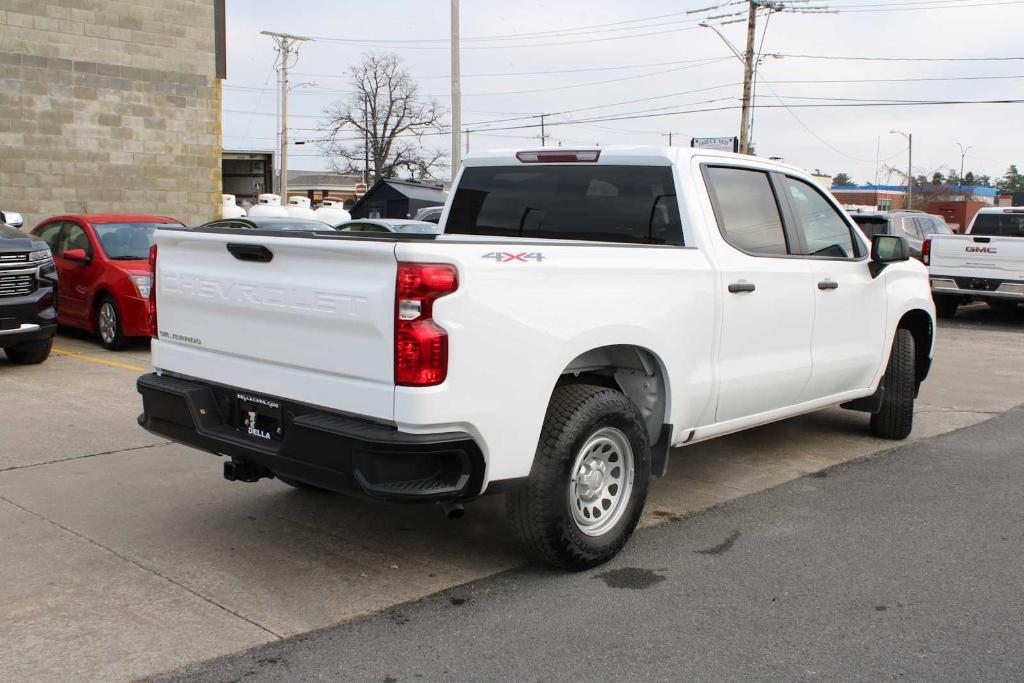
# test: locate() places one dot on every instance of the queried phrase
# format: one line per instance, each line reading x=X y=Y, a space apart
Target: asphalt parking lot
x=125 y=556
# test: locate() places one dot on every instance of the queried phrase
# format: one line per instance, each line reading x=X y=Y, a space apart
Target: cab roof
x=113 y=218
x=627 y=155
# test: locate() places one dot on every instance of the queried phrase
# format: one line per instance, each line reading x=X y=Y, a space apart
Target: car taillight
x=152 y=293
x=926 y=251
x=421 y=345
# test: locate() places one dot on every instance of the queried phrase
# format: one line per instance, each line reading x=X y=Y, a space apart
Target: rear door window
x=911 y=227
x=631 y=204
x=935 y=226
x=999 y=225
x=746 y=210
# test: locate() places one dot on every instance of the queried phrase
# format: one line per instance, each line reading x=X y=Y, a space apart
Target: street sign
x=720 y=144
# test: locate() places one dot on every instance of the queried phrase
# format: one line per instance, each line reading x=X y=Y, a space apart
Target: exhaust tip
x=453 y=511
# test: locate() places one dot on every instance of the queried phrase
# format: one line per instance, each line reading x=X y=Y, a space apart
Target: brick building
x=882 y=197
x=111 y=106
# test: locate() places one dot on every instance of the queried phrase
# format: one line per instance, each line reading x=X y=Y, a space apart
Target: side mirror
x=886 y=249
x=13 y=219
x=77 y=255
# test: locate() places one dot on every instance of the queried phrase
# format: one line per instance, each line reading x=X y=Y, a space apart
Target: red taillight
x=152 y=293
x=926 y=251
x=559 y=157
x=421 y=345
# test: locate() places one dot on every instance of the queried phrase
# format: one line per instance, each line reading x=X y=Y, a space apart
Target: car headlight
x=40 y=255
x=143 y=283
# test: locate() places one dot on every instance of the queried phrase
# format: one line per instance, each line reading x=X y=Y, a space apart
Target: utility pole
x=910 y=166
x=543 y=136
x=366 y=144
x=456 y=92
x=467 y=141
x=286 y=45
x=748 y=78
x=963 y=155
x=669 y=136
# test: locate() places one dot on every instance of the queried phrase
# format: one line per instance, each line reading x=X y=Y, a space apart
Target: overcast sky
x=830 y=139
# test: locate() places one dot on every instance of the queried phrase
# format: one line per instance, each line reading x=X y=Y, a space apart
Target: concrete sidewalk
x=125 y=556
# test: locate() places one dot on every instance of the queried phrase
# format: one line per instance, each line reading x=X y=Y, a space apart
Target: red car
x=103 y=272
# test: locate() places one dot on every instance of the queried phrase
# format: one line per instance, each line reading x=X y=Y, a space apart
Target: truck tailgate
x=984 y=257
x=304 y=318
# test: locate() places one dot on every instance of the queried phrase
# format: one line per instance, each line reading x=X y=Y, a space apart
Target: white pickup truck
x=986 y=263
x=583 y=312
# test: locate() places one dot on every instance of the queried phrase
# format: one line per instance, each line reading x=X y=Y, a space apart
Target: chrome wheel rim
x=601 y=481
x=108 y=322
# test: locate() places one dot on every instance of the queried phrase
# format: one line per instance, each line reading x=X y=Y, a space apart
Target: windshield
x=126 y=241
x=635 y=204
x=999 y=224
x=872 y=225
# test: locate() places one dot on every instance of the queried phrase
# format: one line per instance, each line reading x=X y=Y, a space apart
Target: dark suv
x=916 y=226
x=28 y=282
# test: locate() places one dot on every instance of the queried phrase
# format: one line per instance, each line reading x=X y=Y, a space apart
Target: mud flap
x=659 y=451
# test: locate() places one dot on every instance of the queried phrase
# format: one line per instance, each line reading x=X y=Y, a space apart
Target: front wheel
x=30 y=353
x=589 y=479
x=108 y=325
x=895 y=420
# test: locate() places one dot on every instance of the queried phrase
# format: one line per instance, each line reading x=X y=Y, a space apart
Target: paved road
x=903 y=566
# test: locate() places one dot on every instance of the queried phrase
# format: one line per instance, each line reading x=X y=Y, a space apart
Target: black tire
x=30 y=353
x=896 y=418
x=540 y=512
x=116 y=340
x=301 y=485
x=945 y=306
x=1001 y=304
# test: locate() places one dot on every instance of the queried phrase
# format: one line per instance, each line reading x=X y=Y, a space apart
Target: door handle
x=736 y=287
x=250 y=252
x=828 y=284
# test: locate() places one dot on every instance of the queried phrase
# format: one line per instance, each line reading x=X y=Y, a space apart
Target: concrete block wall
x=109 y=106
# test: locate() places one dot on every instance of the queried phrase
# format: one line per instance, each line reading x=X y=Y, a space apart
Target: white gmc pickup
x=583 y=312
x=986 y=263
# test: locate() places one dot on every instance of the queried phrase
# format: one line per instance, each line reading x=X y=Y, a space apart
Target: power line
x=641 y=115
x=363 y=43
x=860 y=58
x=535 y=73
x=854 y=10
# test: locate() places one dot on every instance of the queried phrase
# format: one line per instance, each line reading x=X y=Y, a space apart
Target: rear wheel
x=108 y=325
x=895 y=420
x=945 y=306
x=30 y=353
x=1001 y=304
x=589 y=479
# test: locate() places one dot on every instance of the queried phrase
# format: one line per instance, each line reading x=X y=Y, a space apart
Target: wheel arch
x=921 y=326
x=98 y=296
x=640 y=374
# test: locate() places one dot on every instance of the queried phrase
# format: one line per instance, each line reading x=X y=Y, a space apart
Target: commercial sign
x=720 y=144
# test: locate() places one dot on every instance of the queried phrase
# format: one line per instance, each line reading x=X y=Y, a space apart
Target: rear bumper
x=321 y=448
x=981 y=288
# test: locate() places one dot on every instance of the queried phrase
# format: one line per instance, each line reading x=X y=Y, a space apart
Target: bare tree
x=380 y=127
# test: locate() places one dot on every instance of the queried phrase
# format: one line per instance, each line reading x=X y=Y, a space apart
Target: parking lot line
x=101 y=361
